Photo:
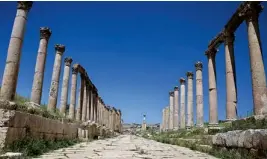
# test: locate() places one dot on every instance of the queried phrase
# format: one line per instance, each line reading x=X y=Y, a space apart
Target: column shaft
x=171 y=113
x=182 y=105
x=199 y=94
x=176 y=108
x=84 y=102
x=73 y=93
x=92 y=106
x=80 y=101
x=190 y=115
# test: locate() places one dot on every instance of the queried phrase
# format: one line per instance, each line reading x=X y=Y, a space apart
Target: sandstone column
x=199 y=93
x=73 y=92
x=256 y=61
x=84 y=102
x=176 y=108
x=182 y=105
x=80 y=100
x=37 y=85
x=213 y=120
x=9 y=82
x=171 y=113
x=231 y=97
x=65 y=85
x=52 y=101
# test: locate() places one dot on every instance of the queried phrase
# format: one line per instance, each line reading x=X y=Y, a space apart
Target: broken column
x=37 y=85
x=182 y=105
x=73 y=92
x=52 y=101
x=171 y=111
x=199 y=94
x=65 y=85
x=231 y=97
x=190 y=115
x=213 y=110
x=176 y=107
x=10 y=76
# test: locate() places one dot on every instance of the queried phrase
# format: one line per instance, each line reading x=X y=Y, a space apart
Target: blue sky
x=134 y=52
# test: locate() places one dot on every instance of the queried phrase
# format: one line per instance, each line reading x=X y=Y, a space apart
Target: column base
x=188 y=127
x=200 y=125
x=214 y=126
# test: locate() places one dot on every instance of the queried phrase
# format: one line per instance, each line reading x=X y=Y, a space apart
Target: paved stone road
x=125 y=147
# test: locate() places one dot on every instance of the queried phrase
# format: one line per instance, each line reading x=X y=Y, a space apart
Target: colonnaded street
x=125 y=147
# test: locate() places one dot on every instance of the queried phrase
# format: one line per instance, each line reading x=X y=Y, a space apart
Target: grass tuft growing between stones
x=35 y=147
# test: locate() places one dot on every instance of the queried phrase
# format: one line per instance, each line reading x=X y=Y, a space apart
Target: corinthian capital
x=229 y=37
x=74 y=70
x=171 y=93
x=45 y=33
x=60 y=48
x=198 y=65
x=176 y=88
x=211 y=53
x=250 y=11
x=25 y=5
x=182 y=81
x=68 y=61
x=189 y=75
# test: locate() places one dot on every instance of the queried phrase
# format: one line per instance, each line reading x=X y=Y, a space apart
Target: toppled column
x=199 y=94
x=84 y=101
x=213 y=110
x=190 y=115
x=73 y=92
x=251 y=15
x=182 y=105
x=171 y=113
x=37 y=85
x=52 y=101
x=10 y=77
x=176 y=108
x=65 y=85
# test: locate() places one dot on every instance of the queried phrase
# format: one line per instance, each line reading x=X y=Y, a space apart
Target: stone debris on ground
x=125 y=147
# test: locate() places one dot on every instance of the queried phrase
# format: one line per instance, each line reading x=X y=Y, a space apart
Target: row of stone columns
x=173 y=116
x=90 y=106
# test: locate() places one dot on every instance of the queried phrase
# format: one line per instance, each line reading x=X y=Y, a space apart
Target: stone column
x=231 y=96
x=171 y=113
x=65 y=85
x=37 y=85
x=167 y=118
x=182 y=105
x=10 y=77
x=163 y=119
x=199 y=94
x=190 y=115
x=95 y=107
x=84 y=102
x=92 y=105
x=73 y=92
x=80 y=100
x=52 y=101
x=251 y=14
x=88 y=103
x=176 y=108
x=213 y=120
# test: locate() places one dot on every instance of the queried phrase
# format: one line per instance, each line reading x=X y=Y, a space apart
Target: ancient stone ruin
x=89 y=118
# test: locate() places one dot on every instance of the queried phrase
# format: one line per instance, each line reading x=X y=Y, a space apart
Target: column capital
x=74 y=70
x=211 y=52
x=176 y=88
x=60 y=48
x=45 y=33
x=68 y=61
x=198 y=66
x=25 y=5
x=250 y=11
x=171 y=93
x=182 y=81
x=229 y=37
x=189 y=75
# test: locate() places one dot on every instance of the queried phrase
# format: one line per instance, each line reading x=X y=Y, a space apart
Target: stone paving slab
x=125 y=147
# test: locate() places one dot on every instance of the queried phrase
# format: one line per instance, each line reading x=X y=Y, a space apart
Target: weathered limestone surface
x=171 y=111
x=84 y=107
x=199 y=95
x=167 y=111
x=73 y=93
x=37 y=85
x=190 y=115
x=9 y=81
x=251 y=138
x=176 y=107
x=182 y=105
x=125 y=147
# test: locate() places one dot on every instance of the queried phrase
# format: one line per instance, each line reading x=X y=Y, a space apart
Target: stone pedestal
x=190 y=120
x=73 y=92
x=65 y=85
x=182 y=103
x=37 y=85
x=53 y=93
x=10 y=77
x=199 y=94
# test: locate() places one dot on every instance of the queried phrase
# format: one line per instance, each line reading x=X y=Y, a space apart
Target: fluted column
x=182 y=103
x=190 y=115
x=65 y=85
x=80 y=100
x=176 y=108
x=73 y=92
x=10 y=77
x=37 y=85
x=84 y=101
x=199 y=94
x=231 y=93
x=52 y=101
x=213 y=110
x=171 y=115
x=251 y=15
